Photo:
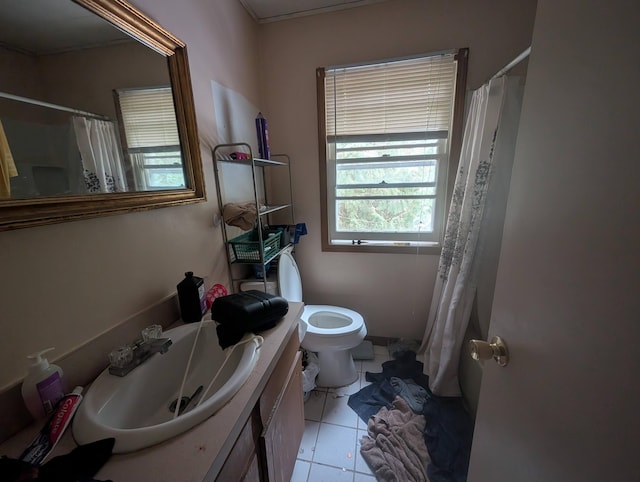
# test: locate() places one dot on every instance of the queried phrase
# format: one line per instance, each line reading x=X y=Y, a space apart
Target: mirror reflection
x=83 y=108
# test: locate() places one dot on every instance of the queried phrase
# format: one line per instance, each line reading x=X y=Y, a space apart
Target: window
x=149 y=128
x=386 y=138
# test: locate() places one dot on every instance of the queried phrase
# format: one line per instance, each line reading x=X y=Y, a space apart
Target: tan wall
x=19 y=75
x=85 y=79
x=63 y=285
x=393 y=292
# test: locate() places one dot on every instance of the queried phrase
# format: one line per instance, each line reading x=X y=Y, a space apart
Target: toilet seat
x=320 y=318
x=289 y=281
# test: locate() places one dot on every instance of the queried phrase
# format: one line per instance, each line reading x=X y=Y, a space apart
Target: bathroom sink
x=137 y=409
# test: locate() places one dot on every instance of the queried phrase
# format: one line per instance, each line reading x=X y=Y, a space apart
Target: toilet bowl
x=331 y=331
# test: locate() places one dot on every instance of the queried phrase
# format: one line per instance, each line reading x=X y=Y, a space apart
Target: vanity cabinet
x=259 y=193
x=268 y=444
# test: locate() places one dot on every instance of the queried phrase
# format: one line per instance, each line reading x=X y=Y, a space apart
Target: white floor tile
x=322 y=473
x=363 y=478
x=346 y=390
x=361 y=464
x=308 y=443
x=375 y=365
x=300 y=471
x=338 y=412
x=362 y=425
x=336 y=446
x=314 y=405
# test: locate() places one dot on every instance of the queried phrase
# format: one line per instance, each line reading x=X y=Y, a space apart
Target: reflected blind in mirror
x=148 y=117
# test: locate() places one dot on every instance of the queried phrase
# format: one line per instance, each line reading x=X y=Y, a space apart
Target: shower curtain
x=101 y=156
x=488 y=144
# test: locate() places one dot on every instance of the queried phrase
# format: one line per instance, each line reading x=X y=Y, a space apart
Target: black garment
x=368 y=401
x=79 y=465
x=448 y=435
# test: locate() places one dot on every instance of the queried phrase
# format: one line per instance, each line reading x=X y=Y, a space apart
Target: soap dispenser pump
x=42 y=388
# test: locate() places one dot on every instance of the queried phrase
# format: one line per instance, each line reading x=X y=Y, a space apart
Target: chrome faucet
x=140 y=352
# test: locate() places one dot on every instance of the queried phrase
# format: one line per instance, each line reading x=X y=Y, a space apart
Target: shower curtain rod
x=52 y=106
x=513 y=63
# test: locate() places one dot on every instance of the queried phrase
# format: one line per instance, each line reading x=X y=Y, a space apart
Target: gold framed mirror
x=31 y=207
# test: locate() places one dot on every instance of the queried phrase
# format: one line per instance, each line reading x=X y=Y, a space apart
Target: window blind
x=149 y=117
x=398 y=96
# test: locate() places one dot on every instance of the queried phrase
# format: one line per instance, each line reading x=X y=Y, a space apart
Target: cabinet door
x=283 y=431
x=242 y=463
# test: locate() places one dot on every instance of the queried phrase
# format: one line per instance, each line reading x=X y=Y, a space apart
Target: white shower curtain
x=488 y=137
x=101 y=156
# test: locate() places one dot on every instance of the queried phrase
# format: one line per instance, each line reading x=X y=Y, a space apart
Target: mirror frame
x=22 y=213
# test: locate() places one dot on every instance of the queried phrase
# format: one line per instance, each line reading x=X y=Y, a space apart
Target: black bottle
x=192 y=298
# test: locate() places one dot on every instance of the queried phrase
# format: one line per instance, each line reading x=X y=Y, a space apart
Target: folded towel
x=242 y=215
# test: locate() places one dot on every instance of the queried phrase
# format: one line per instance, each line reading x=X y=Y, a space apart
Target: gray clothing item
x=410 y=391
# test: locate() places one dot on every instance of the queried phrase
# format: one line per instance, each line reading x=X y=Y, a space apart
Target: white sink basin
x=135 y=409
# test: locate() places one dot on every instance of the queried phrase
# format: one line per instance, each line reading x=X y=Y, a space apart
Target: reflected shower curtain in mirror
x=101 y=155
x=488 y=144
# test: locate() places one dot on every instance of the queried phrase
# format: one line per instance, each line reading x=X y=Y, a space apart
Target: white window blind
x=148 y=117
x=392 y=97
x=387 y=149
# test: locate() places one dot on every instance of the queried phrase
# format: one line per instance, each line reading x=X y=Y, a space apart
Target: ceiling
x=273 y=10
x=40 y=27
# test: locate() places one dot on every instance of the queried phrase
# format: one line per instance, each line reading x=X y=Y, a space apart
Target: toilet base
x=336 y=369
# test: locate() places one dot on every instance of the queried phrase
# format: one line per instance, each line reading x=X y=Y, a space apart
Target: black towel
x=79 y=465
x=230 y=333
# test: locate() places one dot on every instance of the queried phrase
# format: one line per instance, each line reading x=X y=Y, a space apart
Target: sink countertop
x=199 y=453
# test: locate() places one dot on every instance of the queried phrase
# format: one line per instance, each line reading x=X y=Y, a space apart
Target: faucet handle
x=121 y=357
x=152 y=332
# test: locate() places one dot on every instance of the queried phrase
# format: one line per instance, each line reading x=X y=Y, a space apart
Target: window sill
x=383 y=247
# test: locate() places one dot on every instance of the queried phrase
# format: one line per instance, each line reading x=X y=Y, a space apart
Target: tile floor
x=330 y=447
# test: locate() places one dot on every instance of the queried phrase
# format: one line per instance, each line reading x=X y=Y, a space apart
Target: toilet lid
x=289 y=278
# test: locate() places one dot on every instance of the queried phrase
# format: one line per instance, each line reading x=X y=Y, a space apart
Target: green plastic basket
x=246 y=247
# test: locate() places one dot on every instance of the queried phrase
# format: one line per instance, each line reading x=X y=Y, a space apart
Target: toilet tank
x=272 y=286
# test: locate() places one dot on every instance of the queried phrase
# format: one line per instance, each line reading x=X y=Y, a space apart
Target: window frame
x=445 y=182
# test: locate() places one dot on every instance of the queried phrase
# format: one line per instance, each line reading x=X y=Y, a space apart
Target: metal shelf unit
x=259 y=192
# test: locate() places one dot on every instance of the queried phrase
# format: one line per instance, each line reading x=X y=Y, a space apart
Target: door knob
x=497 y=349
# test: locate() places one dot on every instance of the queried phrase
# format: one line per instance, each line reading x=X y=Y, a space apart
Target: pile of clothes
x=413 y=435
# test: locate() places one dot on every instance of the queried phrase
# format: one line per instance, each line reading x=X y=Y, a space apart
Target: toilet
x=331 y=331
